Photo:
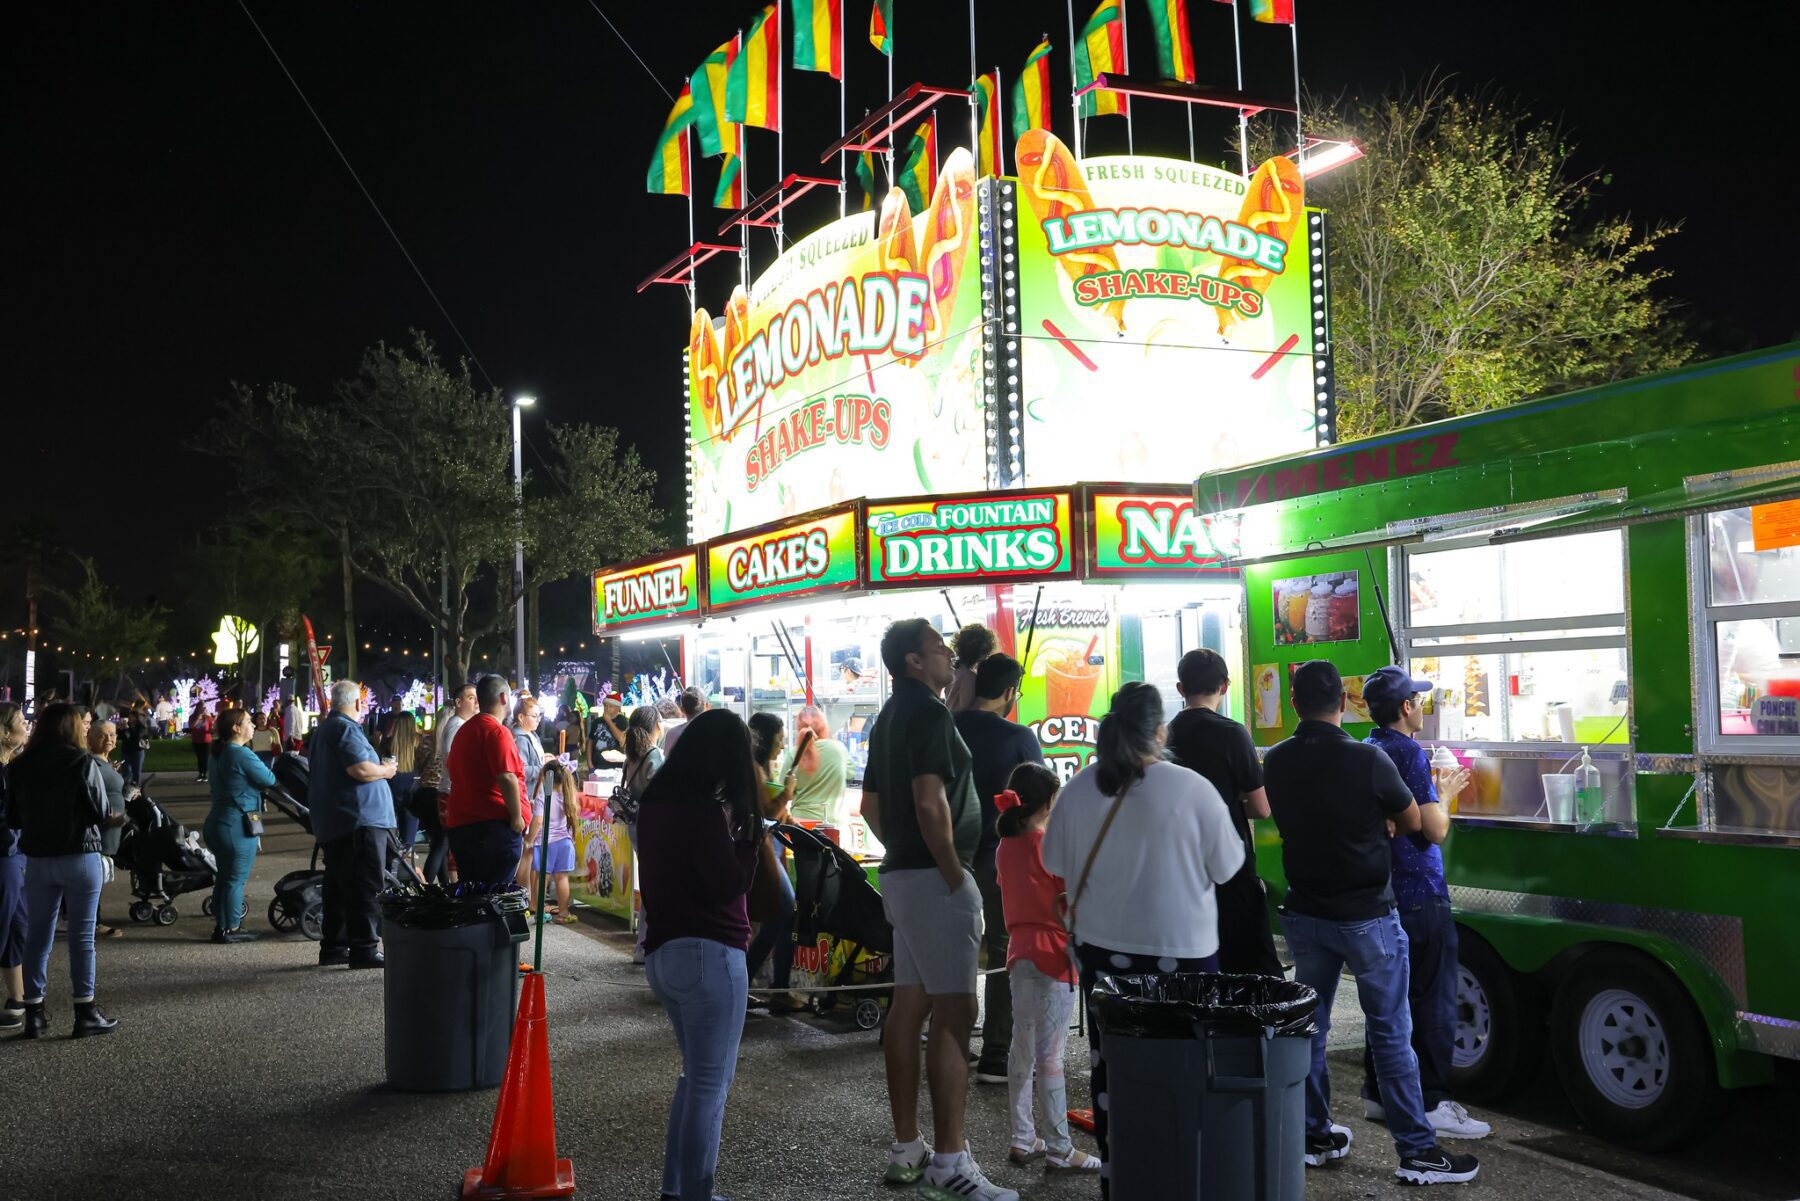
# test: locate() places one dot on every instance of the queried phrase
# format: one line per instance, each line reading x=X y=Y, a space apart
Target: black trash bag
x=436 y=907
x=1196 y=1004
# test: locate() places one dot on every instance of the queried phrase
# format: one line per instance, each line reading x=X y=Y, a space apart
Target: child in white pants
x=1041 y=974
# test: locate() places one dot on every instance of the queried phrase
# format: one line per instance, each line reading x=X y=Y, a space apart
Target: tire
x=312 y=921
x=206 y=907
x=1499 y=1024
x=1631 y=1050
x=868 y=1013
x=142 y=911
x=279 y=918
x=166 y=915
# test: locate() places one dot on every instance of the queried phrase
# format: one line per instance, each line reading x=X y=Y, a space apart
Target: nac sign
x=648 y=590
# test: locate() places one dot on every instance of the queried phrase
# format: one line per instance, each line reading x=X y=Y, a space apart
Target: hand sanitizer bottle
x=1590 y=800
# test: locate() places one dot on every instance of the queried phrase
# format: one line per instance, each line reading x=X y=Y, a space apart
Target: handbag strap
x=1093 y=854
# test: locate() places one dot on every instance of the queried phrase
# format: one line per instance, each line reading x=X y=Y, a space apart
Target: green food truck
x=1615 y=572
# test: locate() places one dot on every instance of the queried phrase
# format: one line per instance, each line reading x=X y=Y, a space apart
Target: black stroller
x=839 y=922
x=299 y=902
x=154 y=852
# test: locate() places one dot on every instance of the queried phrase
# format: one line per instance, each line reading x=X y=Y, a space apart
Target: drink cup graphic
x=1069 y=683
x=1268 y=696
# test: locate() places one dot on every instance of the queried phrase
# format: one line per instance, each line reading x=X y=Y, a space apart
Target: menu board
x=979 y=538
x=648 y=590
x=815 y=554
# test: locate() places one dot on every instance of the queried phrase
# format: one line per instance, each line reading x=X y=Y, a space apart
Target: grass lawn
x=173 y=756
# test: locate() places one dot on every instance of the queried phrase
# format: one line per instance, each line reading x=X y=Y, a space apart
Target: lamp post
x=519 y=402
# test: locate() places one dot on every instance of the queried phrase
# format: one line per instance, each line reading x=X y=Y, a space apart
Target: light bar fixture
x=1325 y=154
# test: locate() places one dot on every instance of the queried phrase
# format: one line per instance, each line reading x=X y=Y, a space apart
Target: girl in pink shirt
x=1040 y=972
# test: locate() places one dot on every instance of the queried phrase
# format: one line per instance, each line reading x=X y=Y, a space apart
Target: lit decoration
x=417 y=696
x=272 y=699
x=234 y=641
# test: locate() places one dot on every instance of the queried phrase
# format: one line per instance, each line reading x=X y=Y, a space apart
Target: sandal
x=1022 y=1156
x=567 y=919
x=104 y=931
x=1074 y=1161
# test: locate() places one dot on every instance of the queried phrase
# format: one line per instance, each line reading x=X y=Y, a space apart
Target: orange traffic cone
x=1082 y=1119
x=521 y=1154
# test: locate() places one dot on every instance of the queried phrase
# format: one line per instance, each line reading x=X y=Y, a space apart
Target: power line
x=343 y=158
x=628 y=46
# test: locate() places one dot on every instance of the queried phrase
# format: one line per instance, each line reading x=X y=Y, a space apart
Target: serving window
x=1747 y=606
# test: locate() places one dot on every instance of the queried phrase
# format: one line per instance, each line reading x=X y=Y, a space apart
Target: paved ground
x=248 y=1072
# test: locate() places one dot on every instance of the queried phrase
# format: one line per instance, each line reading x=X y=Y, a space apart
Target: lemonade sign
x=984 y=539
x=1071 y=672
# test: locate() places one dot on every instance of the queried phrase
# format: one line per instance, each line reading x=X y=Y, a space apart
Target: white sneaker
x=1374 y=1111
x=1450 y=1120
x=961 y=1180
x=906 y=1162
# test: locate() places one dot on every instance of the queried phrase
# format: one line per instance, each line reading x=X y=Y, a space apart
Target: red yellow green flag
x=1174 y=46
x=918 y=178
x=818 y=36
x=1100 y=50
x=730 y=192
x=709 y=83
x=881 y=26
x=669 y=169
x=1031 y=93
x=1272 y=12
x=753 y=84
x=865 y=175
x=987 y=112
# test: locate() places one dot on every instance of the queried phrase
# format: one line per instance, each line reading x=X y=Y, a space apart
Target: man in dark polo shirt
x=998 y=746
x=919 y=800
x=1333 y=798
x=1206 y=741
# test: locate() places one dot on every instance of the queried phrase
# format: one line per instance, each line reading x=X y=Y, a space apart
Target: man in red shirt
x=486 y=812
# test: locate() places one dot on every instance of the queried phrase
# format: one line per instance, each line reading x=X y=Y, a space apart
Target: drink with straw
x=1069 y=682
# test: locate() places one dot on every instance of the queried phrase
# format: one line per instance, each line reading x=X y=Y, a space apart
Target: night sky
x=175 y=220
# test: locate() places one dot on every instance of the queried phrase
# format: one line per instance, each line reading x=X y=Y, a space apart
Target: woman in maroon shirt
x=699 y=823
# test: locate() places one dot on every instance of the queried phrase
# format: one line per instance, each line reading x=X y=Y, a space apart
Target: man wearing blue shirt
x=352 y=813
x=1423 y=899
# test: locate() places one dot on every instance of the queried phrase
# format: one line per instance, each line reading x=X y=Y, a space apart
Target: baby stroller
x=839 y=924
x=155 y=853
x=299 y=902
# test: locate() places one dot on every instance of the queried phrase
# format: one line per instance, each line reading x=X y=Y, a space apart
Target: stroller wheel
x=868 y=1013
x=312 y=921
x=166 y=915
x=280 y=918
x=142 y=911
x=206 y=907
x=821 y=1003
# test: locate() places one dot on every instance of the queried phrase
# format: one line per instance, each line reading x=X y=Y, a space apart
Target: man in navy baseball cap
x=1392 y=685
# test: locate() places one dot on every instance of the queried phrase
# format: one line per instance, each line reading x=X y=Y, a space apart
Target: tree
x=1469 y=266
x=94 y=621
x=415 y=463
x=263 y=572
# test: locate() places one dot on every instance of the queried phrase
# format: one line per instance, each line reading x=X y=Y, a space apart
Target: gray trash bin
x=1206 y=1085
x=451 y=986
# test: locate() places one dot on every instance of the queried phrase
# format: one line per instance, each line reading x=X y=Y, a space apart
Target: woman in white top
x=1147 y=905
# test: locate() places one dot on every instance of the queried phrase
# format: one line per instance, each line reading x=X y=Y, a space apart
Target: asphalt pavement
x=248 y=1072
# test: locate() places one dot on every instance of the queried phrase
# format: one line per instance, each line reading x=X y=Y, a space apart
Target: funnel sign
x=650 y=590
x=986 y=539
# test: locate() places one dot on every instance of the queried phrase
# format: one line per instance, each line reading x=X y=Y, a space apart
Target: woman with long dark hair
x=643 y=758
x=58 y=806
x=775 y=898
x=12 y=877
x=235 y=784
x=1158 y=837
x=699 y=825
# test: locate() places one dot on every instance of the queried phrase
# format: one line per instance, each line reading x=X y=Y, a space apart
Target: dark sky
x=174 y=219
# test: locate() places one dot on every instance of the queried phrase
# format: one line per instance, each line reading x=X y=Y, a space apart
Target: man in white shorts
x=919 y=800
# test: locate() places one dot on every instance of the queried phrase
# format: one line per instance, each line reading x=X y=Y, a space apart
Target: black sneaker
x=332 y=956
x=1323 y=1148
x=12 y=1018
x=1437 y=1166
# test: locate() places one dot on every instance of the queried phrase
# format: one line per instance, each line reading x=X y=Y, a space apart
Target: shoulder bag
x=1088 y=867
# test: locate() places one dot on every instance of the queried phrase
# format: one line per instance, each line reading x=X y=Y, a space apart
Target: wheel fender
x=1549 y=950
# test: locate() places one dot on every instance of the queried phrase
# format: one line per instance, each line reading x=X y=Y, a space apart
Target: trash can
x=451 y=987
x=1206 y=1084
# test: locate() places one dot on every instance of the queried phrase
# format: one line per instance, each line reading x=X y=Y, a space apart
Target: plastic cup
x=1069 y=687
x=1559 y=796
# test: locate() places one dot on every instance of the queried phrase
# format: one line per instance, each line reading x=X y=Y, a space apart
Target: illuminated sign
x=649 y=590
x=1166 y=317
x=1154 y=532
x=853 y=366
x=985 y=539
x=815 y=554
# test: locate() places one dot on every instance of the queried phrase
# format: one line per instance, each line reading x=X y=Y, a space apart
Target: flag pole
x=781 y=87
x=999 y=125
x=974 y=97
x=1237 y=46
x=687 y=147
x=1125 y=40
x=744 y=187
x=890 y=58
x=1074 y=101
x=1299 y=134
x=843 y=105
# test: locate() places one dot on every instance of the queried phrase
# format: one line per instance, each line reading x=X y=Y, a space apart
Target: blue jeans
x=702 y=985
x=236 y=853
x=1375 y=951
x=50 y=882
x=487 y=852
x=1431 y=995
x=131 y=766
x=777 y=934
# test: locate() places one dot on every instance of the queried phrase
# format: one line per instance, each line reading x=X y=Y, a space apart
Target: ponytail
x=1127 y=737
x=1030 y=791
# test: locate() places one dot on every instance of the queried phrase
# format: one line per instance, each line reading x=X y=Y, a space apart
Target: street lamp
x=519 y=402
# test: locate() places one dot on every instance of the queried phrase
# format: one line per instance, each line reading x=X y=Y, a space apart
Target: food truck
x=1614 y=573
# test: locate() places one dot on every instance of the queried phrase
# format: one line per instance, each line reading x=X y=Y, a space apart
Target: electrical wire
x=634 y=53
x=345 y=159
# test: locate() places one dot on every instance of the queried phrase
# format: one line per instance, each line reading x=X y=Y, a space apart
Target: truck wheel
x=1499 y=1024
x=1632 y=1052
